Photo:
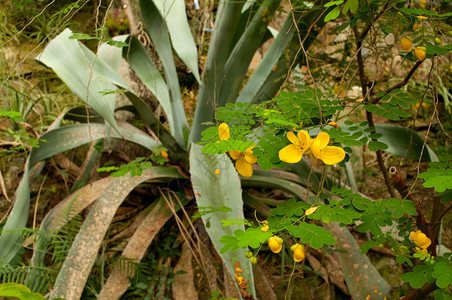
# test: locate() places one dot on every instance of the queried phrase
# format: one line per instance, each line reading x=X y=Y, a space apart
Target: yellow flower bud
x=164 y=153
x=419 y=52
x=420 y=239
x=265 y=228
x=275 y=244
x=406 y=43
x=298 y=252
x=217 y=171
x=311 y=210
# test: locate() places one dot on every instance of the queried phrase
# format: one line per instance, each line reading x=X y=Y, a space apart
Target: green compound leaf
x=399 y=207
x=335 y=214
x=387 y=110
x=312 y=234
x=230 y=242
x=289 y=208
x=253 y=237
x=358 y=201
x=443 y=274
x=438 y=176
x=402 y=99
x=419 y=276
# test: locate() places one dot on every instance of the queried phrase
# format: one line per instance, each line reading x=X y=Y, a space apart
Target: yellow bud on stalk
x=406 y=43
x=298 y=252
x=420 y=53
x=275 y=244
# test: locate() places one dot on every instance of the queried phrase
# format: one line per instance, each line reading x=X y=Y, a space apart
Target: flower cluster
x=406 y=44
x=318 y=147
x=420 y=239
x=243 y=160
x=300 y=144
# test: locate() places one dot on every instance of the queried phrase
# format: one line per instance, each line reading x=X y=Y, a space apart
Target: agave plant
x=240 y=29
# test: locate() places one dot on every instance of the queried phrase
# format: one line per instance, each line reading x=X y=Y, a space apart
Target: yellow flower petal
x=311 y=210
x=315 y=149
x=245 y=169
x=290 y=154
x=420 y=239
x=249 y=157
x=420 y=53
x=304 y=138
x=235 y=154
x=298 y=252
x=293 y=138
x=323 y=138
x=275 y=244
x=223 y=131
x=406 y=44
x=332 y=155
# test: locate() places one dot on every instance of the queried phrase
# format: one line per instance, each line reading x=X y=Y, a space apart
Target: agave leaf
x=112 y=55
x=81 y=256
x=57 y=141
x=221 y=45
x=69 y=137
x=73 y=63
x=158 y=32
x=360 y=274
x=240 y=58
x=173 y=12
x=52 y=222
x=144 y=67
x=405 y=143
x=118 y=281
x=218 y=191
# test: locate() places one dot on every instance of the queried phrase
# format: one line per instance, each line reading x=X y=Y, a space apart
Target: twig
x=421 y=221
x=369 y=115
x=400 y=84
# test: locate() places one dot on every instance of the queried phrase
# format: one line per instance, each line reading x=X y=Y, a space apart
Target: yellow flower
x=217 y=171
x=298 y=252
x=265 y=228
x=420 y=239
x=294 y=152
x=330 y=155
x=419 y=52
x=223 y=131
x=244 y=161
x=275 y=244
x=406 y=43
x=311 y=210
x=334 y=124
x=164 y=153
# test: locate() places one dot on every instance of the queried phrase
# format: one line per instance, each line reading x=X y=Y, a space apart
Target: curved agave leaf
x=158 y=32
x=361 y=276
x=405 y=143
x=112 y=55
x=81 y=256
x=240 y=58
x=221 y=45
x=173 y=12
x=216 y=191
x=10 y=239
x=266 y=81
x=73 y=63
x=118 y=281
x=69 y=137
x=57 y=141
x=140 y=61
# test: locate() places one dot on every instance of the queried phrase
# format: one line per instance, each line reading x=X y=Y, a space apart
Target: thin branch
x=400 y=84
